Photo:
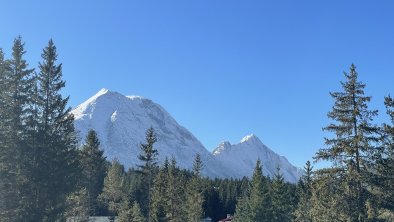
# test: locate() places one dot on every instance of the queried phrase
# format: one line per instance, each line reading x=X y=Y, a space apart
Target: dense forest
x=46 y=176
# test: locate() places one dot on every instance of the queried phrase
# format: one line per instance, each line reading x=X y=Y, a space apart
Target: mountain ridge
x=121 y=121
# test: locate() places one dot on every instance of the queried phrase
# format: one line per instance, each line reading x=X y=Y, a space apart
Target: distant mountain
x=121 y=122
x=243 y=157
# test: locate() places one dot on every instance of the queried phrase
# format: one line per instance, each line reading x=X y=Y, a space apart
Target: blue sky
x=221 y=68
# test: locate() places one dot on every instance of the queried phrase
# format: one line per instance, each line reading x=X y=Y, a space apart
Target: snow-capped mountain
x=121 y=122
x=243 y=157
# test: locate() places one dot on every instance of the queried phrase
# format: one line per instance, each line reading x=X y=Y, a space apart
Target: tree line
x=153 y=192
x=45 y=176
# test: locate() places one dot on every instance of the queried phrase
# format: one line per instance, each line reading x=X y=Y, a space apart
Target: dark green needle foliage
x=94 y=166
x=352 y=145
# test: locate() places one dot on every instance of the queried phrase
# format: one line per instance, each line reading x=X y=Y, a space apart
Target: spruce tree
x=256 y=206
x=327 y=203
x=136 y=215
x=78 y=206
x=17 y=81
x=148 y=157
x=131 y=214
x=382 y=178
x=113 y=193
x=353 y=143
x=194 y=196
x=159 y=194
x=7 y=175
x=281 y=204
x=55 y=155
x=304 y=192
x=174 y=197
x=93 y=166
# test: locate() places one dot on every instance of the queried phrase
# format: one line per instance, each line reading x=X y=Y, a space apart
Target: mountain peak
x=121 y=122
x=249 y=138
x=243 y=156
x=222 y=146
x=102 y=91
x=105 y=91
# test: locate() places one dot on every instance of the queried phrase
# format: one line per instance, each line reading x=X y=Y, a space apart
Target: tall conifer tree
x=281 y=202
x=148 y=157
x=353 y=143
x=113 y=195
x=174 y=197
x=159 y=194
x=194 y=196
x=55 y=157
x=304 y=191
x=17 y=81
x=256 y=206
x=93 y=166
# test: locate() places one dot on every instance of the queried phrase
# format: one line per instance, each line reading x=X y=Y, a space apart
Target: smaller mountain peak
x=250 y=137
x=225 y=144
x=222 y=146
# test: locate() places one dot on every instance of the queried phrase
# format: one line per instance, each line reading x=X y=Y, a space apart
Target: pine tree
x=148 y=157
x=256 y=205
x=304 y=191
x=113 y=193
x=353 y=144
x=194 y=196
x=93 y=166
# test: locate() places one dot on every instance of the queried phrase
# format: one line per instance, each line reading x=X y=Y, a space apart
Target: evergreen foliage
x=113 y=194
x=158 y=199
x=174 y=197
x=256 y=206
x=43 y=177
x=131 y=213
x=353 y=144
x=17 y=81
x=78 y=206
x=281 y=200
x=304 y=192
x=382 y=178
x=148 y=157
x=38 y=156
x=93 y=166
x=194 y=195
x=55 y=153
x=326 y=200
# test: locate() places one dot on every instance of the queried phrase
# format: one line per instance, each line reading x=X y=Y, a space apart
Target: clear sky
x=221 y=68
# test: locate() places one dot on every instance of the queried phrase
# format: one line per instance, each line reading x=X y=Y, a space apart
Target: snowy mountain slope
x=243 y=157
x=121 y=122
